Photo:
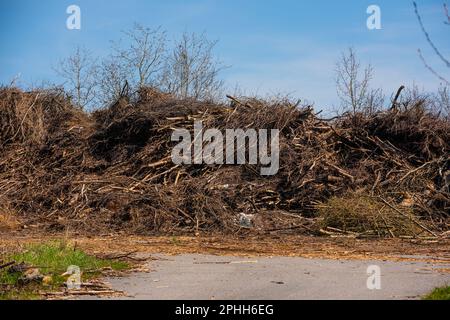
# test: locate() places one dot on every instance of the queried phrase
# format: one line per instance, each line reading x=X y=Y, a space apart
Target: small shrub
x=364 y=214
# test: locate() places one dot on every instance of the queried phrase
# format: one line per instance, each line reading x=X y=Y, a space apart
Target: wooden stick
x=80 y=293
x=399 y=92
x=406 y=216
x=6 y=265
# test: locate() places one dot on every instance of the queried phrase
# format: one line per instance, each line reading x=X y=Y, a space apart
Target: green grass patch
x=52 y=260
x=439 y=294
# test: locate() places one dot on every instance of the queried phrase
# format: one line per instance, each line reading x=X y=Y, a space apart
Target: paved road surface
x=213 y=277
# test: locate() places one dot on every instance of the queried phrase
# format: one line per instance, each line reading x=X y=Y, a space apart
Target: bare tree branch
x=191 y=70
x=144 y=57
x=353 y=85
x=113 y=77
x=443 y=100
x=436 y=50
x=79 y=72
x=446 y=14
x=431 y=68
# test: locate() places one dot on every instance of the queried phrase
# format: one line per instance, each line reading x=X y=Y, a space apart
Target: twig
x=235 y=100
x=446 y=14
x=415 y=170
x=6 y=265
x=409 y=217
x=430 y=68
x=436 y=50
x=24 y=117
x=81 y=293
x=342 y=171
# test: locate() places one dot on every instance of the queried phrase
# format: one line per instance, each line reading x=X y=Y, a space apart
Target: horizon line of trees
x=143 y=59
x=189 y=69
x=356 y=95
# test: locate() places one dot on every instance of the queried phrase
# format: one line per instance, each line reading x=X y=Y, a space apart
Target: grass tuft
x=52 y=259
x=439 y=294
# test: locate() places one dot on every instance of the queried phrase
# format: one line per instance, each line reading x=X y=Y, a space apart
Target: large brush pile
x=112 y=170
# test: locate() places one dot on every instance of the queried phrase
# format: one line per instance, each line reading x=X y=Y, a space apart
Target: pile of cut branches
x=112 y=170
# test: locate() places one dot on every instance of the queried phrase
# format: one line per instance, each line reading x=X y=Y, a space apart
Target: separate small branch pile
x=112 y=171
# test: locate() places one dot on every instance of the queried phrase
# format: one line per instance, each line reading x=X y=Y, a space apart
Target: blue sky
x=288 y=46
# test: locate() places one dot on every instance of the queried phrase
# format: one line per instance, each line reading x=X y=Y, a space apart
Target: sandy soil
x=437 y=250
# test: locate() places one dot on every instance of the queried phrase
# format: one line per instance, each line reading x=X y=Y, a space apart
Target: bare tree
x=374 y=100
x=191 y=70
x=79 y=72
x=353 y=85
x=112 y=80
x=144 y=58
x=442 y=101
x=436 y=50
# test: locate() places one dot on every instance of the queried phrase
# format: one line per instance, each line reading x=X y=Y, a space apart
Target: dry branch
x=115 y=172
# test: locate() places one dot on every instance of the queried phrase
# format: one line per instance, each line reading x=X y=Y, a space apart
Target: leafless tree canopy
x=191 y=71
x=143 y=59
x=437 y=51
x=353 y=85
x=111 y=81
x=79 y=73
x=442 y=101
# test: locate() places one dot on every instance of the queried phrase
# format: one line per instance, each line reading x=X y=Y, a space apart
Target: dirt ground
x=436 y=251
